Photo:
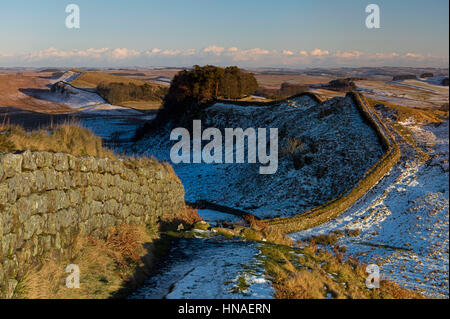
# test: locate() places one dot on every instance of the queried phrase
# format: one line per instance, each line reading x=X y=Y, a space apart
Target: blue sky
x=297 y=33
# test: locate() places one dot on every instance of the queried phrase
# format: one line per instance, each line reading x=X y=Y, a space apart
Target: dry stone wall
x=48 y=199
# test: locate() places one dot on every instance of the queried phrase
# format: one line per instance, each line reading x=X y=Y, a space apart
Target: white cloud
x=250 y=54
x=95 y=53
x=171 y=52
x=414 y=55
x=384 y=56
x=124 y=53
x=303 y=53
x=189 y=52
x=214 y=50
x=348 y=55
x=288 y=52
x=319 y=52
x=215 y=55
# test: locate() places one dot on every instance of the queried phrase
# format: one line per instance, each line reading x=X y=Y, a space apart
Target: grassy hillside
x=108 y=86
x=15 y=89
x=91 y=79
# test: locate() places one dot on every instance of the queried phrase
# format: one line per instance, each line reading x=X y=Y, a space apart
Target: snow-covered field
x=71 y=96
x=338 y=149
x=420 y=93
x=408 y=215
x=68 y=76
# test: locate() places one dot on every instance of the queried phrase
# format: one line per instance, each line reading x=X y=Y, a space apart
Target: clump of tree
x=445 y=82
x=190 y=89
x=286 y=90
x=427 y=75
x=116 y=93
x=341 y=85
x=52 y=70
x=402 y=77
x=129 y=74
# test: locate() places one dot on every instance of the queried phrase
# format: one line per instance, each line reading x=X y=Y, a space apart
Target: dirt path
x=211 y=268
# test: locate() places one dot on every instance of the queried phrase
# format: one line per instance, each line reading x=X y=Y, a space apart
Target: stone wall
x=47 y=199
x=332 y=209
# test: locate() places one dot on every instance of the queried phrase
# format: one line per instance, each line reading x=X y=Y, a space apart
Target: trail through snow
x=209 y=269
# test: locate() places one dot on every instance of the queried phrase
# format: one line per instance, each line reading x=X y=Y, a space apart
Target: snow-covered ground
x=117 y=127
x=209 y=268
x=71 y=96
x=408 y=215
x=339 y=147
x=67 y=76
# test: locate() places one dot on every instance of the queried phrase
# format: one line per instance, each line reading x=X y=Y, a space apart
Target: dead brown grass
x=311 y=273
x=125 y=242
x=106 y=266
x=66 y=138
x=275 y=236
x=253 y=222
x=187 y=217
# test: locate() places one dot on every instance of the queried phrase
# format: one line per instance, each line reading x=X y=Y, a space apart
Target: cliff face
x=48 y=199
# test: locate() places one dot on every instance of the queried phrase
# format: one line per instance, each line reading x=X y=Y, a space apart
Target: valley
x=326 y=147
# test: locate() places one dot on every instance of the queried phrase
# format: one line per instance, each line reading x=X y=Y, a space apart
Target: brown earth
x=11 y=95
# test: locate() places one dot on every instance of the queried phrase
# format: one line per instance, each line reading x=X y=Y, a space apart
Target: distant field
x=90 y=79
x=15 y=89
x=145 y=74
x=265 y=80
x=404 y=95
x=428 y=86
x=274 y=81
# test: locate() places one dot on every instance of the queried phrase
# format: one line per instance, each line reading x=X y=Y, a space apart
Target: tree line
x=115 y=92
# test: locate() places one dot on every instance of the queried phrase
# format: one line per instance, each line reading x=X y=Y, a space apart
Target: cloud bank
x=254 y=57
